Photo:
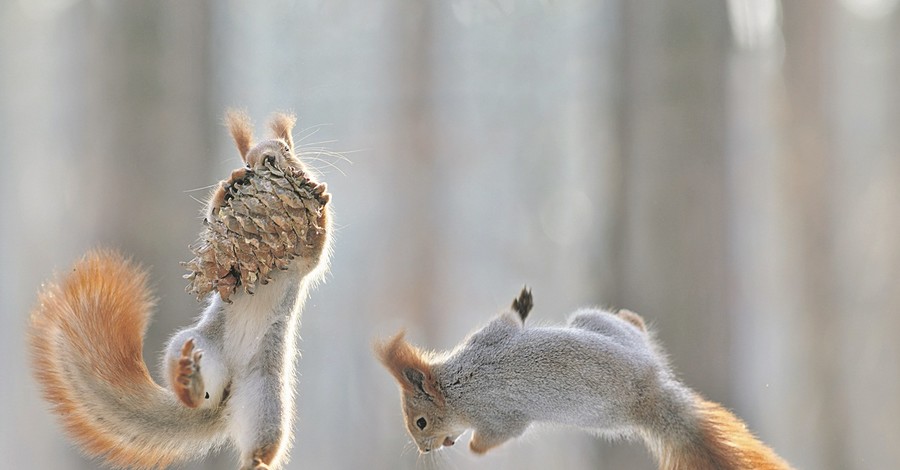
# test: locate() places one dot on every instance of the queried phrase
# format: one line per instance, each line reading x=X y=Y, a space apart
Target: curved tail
x=719 y=441
x=86 y=343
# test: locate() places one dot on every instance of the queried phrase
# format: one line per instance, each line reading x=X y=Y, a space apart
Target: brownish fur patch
x=266 y=454
x=633 y=318
x=397 y=355
x=94 y=319
x=241 y=129
x=724 y=443
x=478 y=446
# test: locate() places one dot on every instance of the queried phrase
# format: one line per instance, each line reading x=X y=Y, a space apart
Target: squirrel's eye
x=421 y=423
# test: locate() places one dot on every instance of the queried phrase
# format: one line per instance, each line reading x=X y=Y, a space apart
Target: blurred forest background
x=731 y=170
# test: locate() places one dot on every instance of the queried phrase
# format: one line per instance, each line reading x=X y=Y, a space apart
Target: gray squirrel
x=602 y=371
x=231 y=375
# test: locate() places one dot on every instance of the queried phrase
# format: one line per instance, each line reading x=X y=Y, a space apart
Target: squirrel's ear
x=523 y=303
x=416 y=378
x=241 y=129
x=409 y=367
x=281 y=125
x=422 y=382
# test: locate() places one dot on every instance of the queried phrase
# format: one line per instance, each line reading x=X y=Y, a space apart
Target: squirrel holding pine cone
x=265 y=244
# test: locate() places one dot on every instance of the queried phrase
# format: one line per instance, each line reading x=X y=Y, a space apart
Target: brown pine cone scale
x=268 y=217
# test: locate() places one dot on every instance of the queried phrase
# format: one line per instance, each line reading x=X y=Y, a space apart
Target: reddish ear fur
x=241 y=129
x=281 y=125
x=398 y=356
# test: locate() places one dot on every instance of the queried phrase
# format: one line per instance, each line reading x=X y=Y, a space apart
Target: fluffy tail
x=718 y=441
x=86 y=339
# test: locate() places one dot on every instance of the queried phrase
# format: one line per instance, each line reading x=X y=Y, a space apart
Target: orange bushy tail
x=86 y=340
x=722 y=442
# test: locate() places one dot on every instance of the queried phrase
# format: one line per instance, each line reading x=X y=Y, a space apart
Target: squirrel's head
x=280 y=148
x=425 y=411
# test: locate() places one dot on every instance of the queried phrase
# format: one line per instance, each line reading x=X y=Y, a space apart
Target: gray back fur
x=598 y=372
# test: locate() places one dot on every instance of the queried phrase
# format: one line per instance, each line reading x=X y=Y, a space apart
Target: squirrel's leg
x=259 y=420
x=633 y=318
x=484 y=440
x=624 y=327
x=195 y=370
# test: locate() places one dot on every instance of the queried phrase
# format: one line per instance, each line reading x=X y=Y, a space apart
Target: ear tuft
x=241 y=129
x=524 y=303
x=389 y=351
x=281 y=125
x=408 y=365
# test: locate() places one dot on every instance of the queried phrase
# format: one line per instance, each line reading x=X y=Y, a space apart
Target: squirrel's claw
x=188 y=383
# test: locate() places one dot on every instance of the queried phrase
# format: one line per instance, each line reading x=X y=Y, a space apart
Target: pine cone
x=268 y=217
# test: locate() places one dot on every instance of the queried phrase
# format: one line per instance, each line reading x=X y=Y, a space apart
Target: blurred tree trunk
x=810 y=176
x=763 y=276
x=674 y=210
x=863 y=195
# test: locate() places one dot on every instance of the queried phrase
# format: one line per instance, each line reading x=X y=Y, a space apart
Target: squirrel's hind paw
x=188 y=383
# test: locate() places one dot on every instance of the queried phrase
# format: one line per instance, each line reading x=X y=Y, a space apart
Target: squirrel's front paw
x=225 y=190
x=316 y=235
x=188 y=383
